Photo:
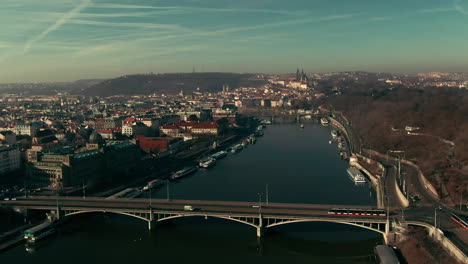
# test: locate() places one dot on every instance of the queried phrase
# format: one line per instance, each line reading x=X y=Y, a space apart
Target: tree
x=193 y=118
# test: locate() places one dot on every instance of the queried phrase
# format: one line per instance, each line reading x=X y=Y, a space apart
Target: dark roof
x=44 y=133
x=7 y=132
x=96 y=138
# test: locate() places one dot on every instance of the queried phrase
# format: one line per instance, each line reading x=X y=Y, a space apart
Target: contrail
x=77 y=9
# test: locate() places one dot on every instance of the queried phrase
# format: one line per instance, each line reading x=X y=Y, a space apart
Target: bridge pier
x=152 y=224
x=260 y=231
x=260 y=228
x=151 y=221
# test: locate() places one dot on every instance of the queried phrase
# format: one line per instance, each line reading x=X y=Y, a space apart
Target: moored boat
x=152 y=184
x=40 y=231
x=334 y=133
x=182 y=173
x=237 y=148
x=356 y=175
x=219 y=155
x=252 y=139
x=324 y=121
x=208 y=163
x=259 y=133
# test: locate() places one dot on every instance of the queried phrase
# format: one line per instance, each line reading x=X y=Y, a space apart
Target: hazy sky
x=56 y=40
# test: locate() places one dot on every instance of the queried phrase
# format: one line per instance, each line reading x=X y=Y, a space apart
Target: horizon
x=68 y=40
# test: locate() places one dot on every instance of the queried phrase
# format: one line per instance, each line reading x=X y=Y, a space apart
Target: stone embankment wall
x=375 y=181
x=404 y=202
x=443 y=240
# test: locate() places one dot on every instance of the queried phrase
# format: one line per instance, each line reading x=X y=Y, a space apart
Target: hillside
x=170 y=83
x=438 y=146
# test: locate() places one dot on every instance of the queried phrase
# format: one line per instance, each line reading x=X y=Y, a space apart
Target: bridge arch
x=212 y=216
x=325 y=220
x=101 y=211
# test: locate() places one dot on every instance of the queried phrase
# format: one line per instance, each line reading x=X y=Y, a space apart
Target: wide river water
x=299 y=166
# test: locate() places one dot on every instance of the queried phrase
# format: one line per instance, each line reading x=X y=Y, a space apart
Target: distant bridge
x=258 y=215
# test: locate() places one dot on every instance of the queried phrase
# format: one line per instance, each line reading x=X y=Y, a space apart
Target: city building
x=155 y=145
x=8 y=137
x=9 y=159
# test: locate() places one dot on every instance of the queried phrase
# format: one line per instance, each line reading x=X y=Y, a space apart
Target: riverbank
x=418 y=248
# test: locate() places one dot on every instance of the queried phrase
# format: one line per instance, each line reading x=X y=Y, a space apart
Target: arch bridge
x=257 y=215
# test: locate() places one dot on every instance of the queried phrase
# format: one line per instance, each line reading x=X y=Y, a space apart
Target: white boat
x=207 y=163
x=182 y=173
x=329 y=142
x=237 y=148
x=302 y=125
x=334 y=133
x=356 y=175
x=324 y=121
x=219 y=155
x=152 y=184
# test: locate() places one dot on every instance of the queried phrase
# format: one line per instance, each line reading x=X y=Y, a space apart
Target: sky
x=66 y=40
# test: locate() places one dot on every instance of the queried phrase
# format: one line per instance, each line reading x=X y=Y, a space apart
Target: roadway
x=160 y=205
x=423 y=209
x=314 y=212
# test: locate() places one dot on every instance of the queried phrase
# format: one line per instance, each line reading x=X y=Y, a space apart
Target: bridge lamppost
x=167 y=189
x=259 y=203
x=149 y=197
x=84 y=189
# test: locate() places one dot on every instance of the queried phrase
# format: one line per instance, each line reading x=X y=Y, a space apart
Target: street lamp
x=388 y=209
x=259 y=203
x=150 y=197
x=84 y=190
x=435 y=219
x=461 y=198
x=167 y=189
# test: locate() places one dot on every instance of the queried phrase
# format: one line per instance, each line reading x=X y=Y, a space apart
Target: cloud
x=191 y=9
x=120 y=6
x=62 y=20
x=459 y=8
x=125 y=24
x=436 y=10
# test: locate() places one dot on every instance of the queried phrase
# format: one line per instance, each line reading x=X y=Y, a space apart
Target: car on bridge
x=189 y=208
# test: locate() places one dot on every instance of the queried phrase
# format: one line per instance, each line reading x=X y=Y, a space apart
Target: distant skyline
x=66 y=40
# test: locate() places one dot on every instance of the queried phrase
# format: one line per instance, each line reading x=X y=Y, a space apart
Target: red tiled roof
x=170 y=126
x=130 y=119
x=105 y=131
x=206 y=124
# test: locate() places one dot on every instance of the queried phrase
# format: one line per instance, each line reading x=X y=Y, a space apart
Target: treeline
x=171 y=83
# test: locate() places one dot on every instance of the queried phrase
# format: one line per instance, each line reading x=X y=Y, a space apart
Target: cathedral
x=301 y=76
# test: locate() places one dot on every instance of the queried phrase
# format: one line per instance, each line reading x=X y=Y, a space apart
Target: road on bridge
x=143 y=205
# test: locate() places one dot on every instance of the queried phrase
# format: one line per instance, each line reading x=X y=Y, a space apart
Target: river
x=298 y=165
